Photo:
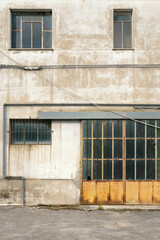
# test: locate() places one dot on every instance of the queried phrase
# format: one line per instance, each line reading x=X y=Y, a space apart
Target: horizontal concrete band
x=35 y=68
x=97 y=115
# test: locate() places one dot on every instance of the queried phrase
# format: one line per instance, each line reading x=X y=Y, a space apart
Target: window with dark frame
x=116 y=148
x=31 y=30
x=122 y=29
x=30 y=131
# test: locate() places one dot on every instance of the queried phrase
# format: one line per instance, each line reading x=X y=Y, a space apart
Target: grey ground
x=35 y=223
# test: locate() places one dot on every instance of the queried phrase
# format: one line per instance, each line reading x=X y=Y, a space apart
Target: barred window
x=31 y=30
x=30 y=131
x=122 y=29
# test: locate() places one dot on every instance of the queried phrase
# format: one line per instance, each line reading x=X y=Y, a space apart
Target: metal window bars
x=30 y=131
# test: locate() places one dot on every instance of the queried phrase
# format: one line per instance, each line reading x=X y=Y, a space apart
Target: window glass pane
x=16 y=36
x=122 y=17
x=97 y=148
x=44 y=137
x=117 y=128
x=31 y=16
x=158 y=148
x=44 y=129
x=87 y=169
x=37 y=35
x=130 y=148
x=31 y=131
x=87 y=128
x=117 y=35
x=17 y=137
x=87 y=148
x=140 y=129
x=47 y=21
x=151 y=169
x=140 y=169
x=17 y=131
x=117 y=169
x=158 y=169
x=151 y=130
x=26 y=35
x=117 y=148
x=97 y=128
x=16 y=21
x=97 y=169
x=158 y=129
x=150 y=148
x=44 y=125
x=140 y=148
x=130 y=169
x=130 y=129
x=17 y=125
x=47 y=39
x=107 y=148
x=107 y=169
x=127 y=35
x=107 y=128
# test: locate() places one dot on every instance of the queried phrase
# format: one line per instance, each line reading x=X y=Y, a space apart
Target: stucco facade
x=80 y=69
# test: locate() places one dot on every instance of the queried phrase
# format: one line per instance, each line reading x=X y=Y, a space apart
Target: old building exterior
x=80 y=105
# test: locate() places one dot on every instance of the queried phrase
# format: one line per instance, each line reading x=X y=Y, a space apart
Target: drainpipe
x=23 y=191
x=4 y=141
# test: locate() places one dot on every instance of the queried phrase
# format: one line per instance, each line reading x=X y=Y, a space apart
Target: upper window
x=122 y=29
x=31 y=30
x=30 y=131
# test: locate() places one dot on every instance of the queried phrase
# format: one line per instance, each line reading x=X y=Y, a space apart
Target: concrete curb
x=120 y=207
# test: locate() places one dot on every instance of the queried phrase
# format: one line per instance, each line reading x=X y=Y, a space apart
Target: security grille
x=30 y=131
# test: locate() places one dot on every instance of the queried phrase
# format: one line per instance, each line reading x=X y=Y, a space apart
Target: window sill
x=31 y=49
x=123 y=49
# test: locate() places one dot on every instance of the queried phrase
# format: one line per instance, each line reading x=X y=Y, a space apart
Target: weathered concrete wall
x=56 y=192
x=51 y=172
x=60 y=160
x=82 y=34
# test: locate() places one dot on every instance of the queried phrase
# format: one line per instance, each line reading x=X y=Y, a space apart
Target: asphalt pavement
x=89 y=223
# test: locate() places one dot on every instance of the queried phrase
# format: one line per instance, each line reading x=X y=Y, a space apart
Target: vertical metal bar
x=97 y=149
x=112 y=149
x=92 y=149
x=131 y=30
x=122 y=34
x=87 y=149
x=150 y=170
x=24 y=123
x=124 y=159
x=155 y=149
x=23 y=191
x=102 y=149
x=42 y=28
x=124 y=148
x=81 y=163
x=39 y=130
x=4 y=140
x=21 y=31
x=32 y=35
x=145 y=150
x=135 y=152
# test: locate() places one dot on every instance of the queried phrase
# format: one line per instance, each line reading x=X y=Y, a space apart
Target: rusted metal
x=132 y=192
x=112 y=192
